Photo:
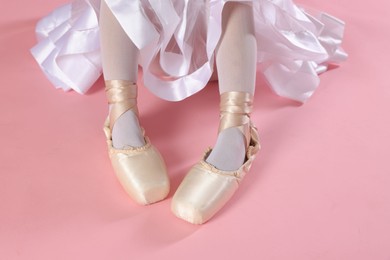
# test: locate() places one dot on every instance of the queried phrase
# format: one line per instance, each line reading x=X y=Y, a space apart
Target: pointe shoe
x=206 y=189
x=140 y=170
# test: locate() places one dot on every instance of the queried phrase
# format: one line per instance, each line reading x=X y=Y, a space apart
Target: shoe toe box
x=142 y=174
x=202 y=194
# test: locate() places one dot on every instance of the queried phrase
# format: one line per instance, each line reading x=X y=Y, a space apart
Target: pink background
x=319 y=189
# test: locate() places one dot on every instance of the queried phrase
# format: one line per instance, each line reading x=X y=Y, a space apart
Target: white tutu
x=177 y=41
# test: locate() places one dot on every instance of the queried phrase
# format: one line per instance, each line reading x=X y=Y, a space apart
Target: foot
x=127 y=132
x=206 y=189
x=228 y=153
x=141 y=171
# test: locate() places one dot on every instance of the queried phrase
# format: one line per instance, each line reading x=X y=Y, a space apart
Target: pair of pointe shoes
x=142 y=171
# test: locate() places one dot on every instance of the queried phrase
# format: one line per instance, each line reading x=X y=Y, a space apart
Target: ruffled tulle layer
x=177 y=41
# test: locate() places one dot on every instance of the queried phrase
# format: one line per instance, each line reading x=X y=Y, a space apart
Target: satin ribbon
x=122 y=96
x=235 y=109
x=177 y=41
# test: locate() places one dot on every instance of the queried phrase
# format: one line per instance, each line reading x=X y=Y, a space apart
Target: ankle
x=123 y=112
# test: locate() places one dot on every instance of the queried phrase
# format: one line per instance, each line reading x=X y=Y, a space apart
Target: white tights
x=120 y=61
x=236 y=67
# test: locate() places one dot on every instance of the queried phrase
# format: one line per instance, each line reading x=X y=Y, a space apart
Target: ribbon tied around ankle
x=235 y=109
x=122 y=96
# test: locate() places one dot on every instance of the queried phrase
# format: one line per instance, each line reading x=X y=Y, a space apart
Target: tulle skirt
x=177 y=42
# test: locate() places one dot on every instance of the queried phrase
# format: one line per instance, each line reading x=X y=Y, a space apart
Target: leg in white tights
x=236 y=66
x=120 y=62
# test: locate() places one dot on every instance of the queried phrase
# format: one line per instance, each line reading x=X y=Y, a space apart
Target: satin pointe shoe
x=140 y=170
x=206 y=189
